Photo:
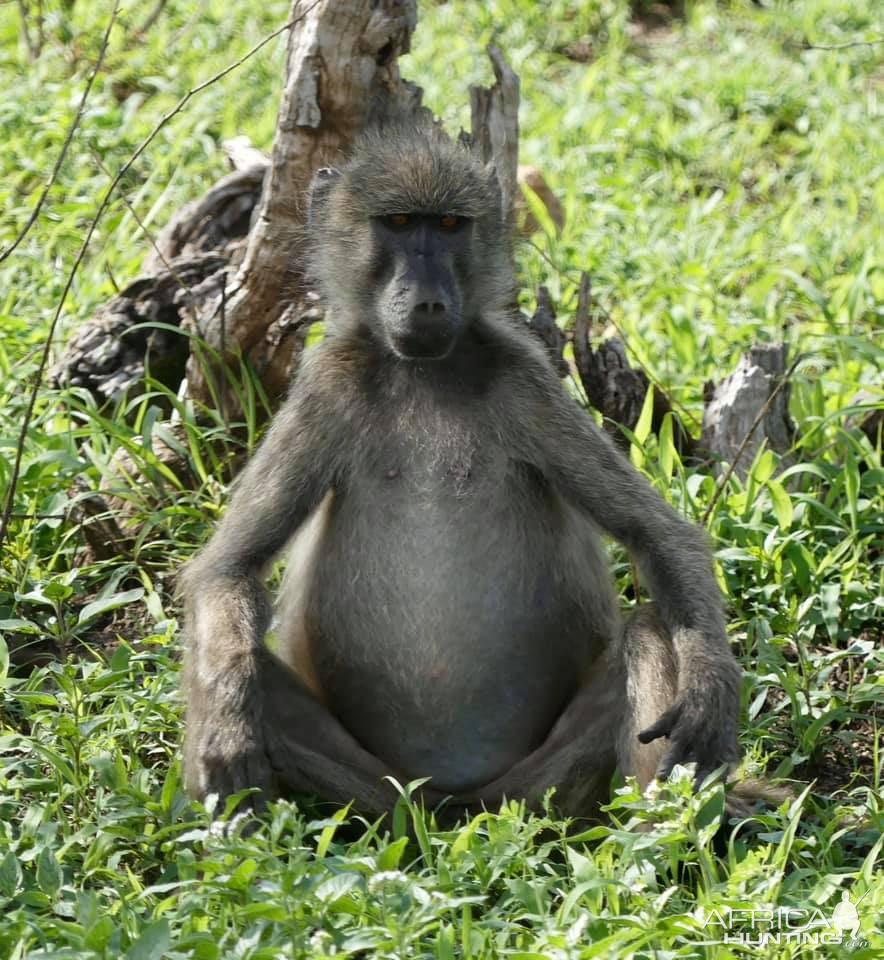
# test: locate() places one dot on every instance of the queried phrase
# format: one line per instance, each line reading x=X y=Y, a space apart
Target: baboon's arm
x=675 y=563
x=226 y=607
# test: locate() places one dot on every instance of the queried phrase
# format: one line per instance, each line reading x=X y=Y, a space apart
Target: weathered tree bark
x=205 y=240
x=109 y=354
x=494 y=119
x=732 y=407
x=543 y=324
x=218 y=222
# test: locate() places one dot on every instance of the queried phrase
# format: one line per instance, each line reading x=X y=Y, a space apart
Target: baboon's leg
x=294 y=594
x=651 y=679
x=629 y=690
x=578 y=756
x=311 y=752
x=651 y=691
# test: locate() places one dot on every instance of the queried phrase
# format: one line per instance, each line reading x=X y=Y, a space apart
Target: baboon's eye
x=399 y=220
x=449 y=222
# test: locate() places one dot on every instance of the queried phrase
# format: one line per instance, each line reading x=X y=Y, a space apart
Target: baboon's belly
x=448 y=634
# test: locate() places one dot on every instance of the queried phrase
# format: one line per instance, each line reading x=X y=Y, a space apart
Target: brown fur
x=447 y=611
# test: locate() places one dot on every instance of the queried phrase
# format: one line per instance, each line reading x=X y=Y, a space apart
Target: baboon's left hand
x=701 y=729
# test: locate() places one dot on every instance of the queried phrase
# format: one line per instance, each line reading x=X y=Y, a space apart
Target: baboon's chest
x=435 y=453
x=439 y=551
x=436 y=505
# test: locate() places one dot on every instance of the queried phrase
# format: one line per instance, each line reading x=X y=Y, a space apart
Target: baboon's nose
x=429 y=311
x=429 y=331
x=428 y=326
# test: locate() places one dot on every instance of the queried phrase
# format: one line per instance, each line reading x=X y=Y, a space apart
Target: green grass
x=722 y=184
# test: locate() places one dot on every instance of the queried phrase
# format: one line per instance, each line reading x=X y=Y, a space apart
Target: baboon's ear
x=318 y=193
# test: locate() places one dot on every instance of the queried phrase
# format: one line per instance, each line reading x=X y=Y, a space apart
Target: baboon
x=447 y=610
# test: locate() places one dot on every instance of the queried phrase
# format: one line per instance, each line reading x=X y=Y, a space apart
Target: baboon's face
x=420 y=267
x=408 y=241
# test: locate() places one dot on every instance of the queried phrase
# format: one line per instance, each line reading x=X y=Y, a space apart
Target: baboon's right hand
x=224 y=745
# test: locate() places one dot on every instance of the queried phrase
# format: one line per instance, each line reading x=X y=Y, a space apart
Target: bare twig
x=111 y=277
x=102 y=207
x=24 y=15
x=153 y=16
x=38 y=516
x=69 y=136
x=762 y=413
x=807 y=45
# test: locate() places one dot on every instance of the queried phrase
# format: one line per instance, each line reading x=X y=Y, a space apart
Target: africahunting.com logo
x=760 y=927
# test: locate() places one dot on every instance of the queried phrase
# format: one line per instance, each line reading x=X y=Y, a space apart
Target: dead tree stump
x=732 y=407
x=614 y=387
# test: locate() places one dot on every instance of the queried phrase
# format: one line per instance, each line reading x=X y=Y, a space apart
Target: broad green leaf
x=49 y=875
x=643 y=426
x=764 y=466
x=10 y=875
x=782 y=504
x=830 y=598
x=338 y=885
x=98 y=607
x=152 y=943
x=325 y=838
x=462 y=843
x=389 y=857
x=642 y=430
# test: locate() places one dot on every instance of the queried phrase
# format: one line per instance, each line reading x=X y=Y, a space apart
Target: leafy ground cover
x=722 y=183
